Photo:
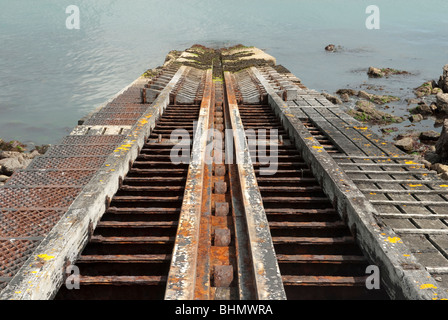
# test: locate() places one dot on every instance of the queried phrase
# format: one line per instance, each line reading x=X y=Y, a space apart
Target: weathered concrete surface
x=43 y=273
x=401 y=274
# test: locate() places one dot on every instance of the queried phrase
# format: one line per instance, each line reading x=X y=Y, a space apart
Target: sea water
x=52 y=75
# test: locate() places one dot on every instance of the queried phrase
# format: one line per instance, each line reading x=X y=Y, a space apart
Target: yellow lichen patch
x=360 y=128
x=427 y=286
x=406 y=255
x=410 y=162
x=443 y=186
x=415 y=185
x=45 y=257
x=372 y=193
x=393 y=240
x=317 y=147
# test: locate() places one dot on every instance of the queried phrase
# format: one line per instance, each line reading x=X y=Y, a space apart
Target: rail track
x=152 y=238
x=317 y=255
x=220 y=177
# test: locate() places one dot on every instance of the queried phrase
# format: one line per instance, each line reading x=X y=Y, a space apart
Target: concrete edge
x=268 y=280
x=402 y=275
x=101 y=106
x=182 y=275
x=45 y=270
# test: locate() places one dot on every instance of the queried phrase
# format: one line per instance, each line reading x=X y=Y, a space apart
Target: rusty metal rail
x=317 y=255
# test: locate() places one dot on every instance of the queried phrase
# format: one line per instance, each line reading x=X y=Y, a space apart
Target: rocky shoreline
x=430 y=101
x=14 y=156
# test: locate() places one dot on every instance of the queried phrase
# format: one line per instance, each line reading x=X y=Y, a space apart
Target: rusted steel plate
x=268 y=280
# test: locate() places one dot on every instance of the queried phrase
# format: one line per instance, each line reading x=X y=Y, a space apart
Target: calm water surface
x=51 y=76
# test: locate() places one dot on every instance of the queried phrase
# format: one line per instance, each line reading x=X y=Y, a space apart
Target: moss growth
x=13 y=145
x=424 y=90
x=150 y=73
x=378 y=99
x=366 y=112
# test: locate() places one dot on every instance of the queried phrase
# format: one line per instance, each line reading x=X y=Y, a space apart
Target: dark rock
x=330 y=47
x=405 y=144
x=12 y=146
x=442 y=142
x=364 y=95
x=416 y=118
x=443 y=81
x=413 y=101
x=378 y=99
x=442 y=102
x=350 y=92
x=424 y=90
x=375 y=72
x=433 y=107
x=31 y=155
x=429 y=135
x=345 y=97
x=432 y=157
x=440 y=168
x=384 y=72
x=332 y=99
x=426 y=163
x=422 y=109
x=366 y=111
x=9 y=165
x=389 y=130
x=42 y=149
x=10 y=154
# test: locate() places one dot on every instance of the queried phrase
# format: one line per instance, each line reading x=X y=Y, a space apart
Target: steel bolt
x=220 y=187
x=222 y=237
x=220 y=170
x=221 y=209
x=223 y=276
